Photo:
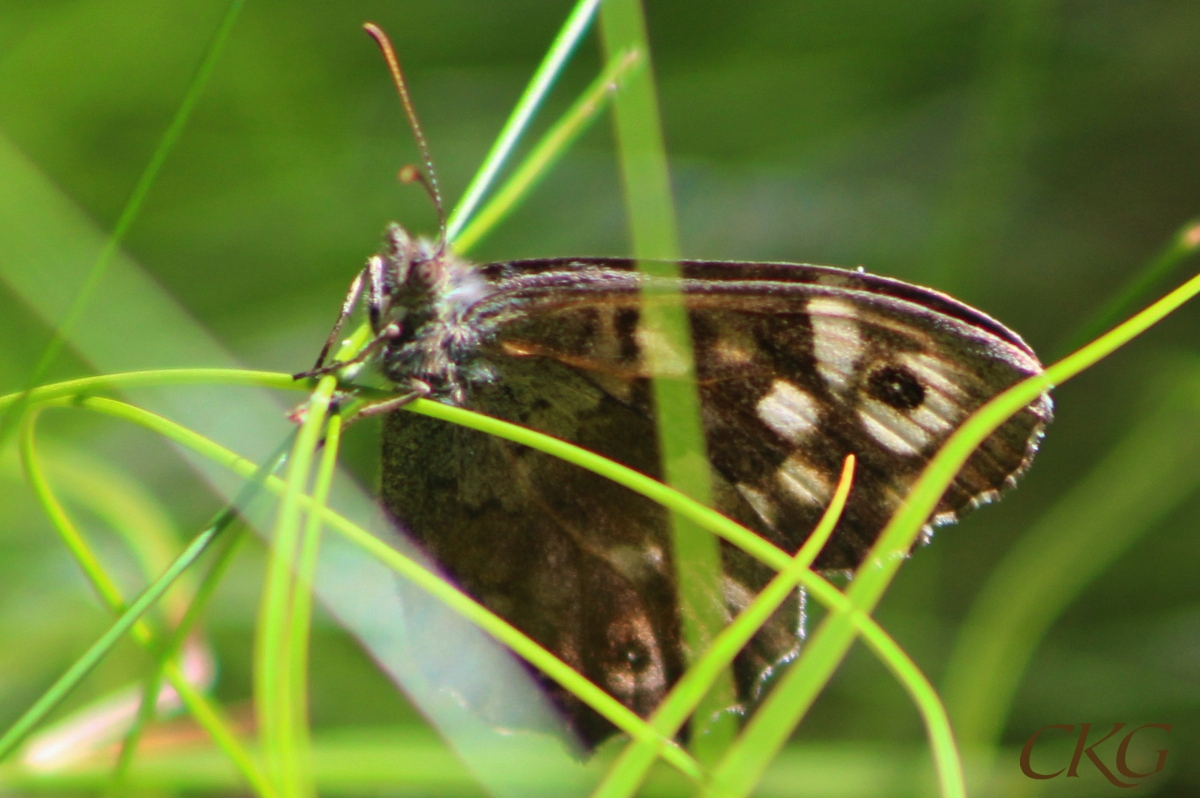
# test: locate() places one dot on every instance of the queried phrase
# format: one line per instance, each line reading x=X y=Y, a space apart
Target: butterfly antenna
x=409 y=174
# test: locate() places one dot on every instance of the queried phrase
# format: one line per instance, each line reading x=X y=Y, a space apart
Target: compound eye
x=896 y=387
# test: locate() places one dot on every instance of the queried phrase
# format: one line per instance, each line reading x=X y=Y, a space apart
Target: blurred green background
x=1029 y=157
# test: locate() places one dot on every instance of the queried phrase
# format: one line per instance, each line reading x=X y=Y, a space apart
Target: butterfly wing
x=577 y=562
x=796 y=367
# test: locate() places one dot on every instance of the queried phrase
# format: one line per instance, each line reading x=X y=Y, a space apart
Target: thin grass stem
x=272 y=666
x=627 y=773
x=556 y=141
x=1185 y=243
x=564 y=44
x=129 y=214
x=195 y=702
x=820 y=589
x=300 y=614
x=521 y=644
x=98 y=650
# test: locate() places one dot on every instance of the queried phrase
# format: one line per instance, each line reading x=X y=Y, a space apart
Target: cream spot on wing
x=605 y=343
x=788 y=411
x=803 y=482
x=761 y=503
x=660 y=353
x=933 y=372
x=942 y=406
x=635 y=564
x=893 y=429
x=737 y=595
x=733 y=345
x=837 y=341
x=731 y=353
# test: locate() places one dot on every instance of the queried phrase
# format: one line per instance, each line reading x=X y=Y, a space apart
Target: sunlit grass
x=284 y=621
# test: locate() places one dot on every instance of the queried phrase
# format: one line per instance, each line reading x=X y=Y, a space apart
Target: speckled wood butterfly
x=796 y=366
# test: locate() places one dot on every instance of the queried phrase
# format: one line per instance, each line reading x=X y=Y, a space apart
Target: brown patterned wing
x=577 y=562
x=797 y=366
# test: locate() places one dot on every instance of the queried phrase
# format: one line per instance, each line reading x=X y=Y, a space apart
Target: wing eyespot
x=896 y=387
x=637 y=657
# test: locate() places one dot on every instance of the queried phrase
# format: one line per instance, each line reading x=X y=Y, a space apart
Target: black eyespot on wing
x=638 y=657
x=897 y=387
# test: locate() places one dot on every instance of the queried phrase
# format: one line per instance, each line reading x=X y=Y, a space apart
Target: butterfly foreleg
x=378 y=308
x=378 y=293
x=347 y=308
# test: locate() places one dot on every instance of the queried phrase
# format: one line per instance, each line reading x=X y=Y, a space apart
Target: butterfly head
x=425 y=291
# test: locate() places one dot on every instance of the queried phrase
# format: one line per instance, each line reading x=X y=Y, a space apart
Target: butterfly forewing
x=796 y=367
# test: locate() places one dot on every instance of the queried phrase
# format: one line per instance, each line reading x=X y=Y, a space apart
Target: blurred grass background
x=1029 y=157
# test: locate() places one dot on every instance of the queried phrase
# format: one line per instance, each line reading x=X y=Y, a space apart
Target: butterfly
x=795 y=365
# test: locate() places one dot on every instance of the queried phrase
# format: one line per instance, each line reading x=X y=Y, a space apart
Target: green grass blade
x=272 y=667
x=627 y=773
x=557 y=140
x=126 y=507
x=492 y=624
x=821 y=590
x=300 y=612
x=129 y=213
x=86 y=386
x=555 y=60
x=145 y=716
x=84 y=665
x=104 y=586
x=774 y=722
x=932 y=711
x=196 y=703
x=651 y=211
x=1182 y=245
x=1140 y=481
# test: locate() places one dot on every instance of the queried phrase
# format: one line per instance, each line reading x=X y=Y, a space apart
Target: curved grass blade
x=272 y=666
x=83 y=666
x=889 y=652
x=627 y=773
x=301 y=603
x=774 y=722
x=196 y=703
x=129 y=214
x=409 y=568
x=1182 y=245
x=1145 y=477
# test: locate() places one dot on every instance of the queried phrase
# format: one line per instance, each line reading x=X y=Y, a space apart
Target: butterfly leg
x=388 y=333
x=377 y=309
x=385 y=406
x=347 y=307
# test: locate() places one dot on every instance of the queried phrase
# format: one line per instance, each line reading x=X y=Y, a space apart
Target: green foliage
x=986 y=150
